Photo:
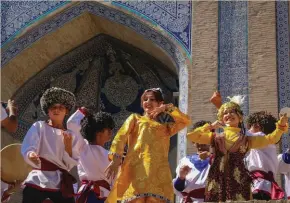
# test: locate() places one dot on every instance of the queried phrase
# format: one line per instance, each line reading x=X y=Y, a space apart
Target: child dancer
x=97 y=130
x=228 y=178
x=192 y=172
x=263 y=163
x=51 y=150
x=145 y=174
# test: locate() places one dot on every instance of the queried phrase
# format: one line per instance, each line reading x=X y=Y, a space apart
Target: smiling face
x=231 y=118
x=57 y=112
x=149 y=102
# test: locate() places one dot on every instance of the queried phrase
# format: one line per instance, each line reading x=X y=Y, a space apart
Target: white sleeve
x=3 y=113
x=31 y=143
x=74 y=121
x=74 y=127
x=282 y=166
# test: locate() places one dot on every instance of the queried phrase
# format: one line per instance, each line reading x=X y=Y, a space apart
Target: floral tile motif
x=17 y=15
x=173 y=16
x=282 y=23
x=233 y=50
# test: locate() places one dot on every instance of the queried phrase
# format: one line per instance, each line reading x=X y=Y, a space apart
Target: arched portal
x=35 y=50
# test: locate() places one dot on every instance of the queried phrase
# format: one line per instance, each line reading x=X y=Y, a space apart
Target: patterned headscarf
x=55 y=95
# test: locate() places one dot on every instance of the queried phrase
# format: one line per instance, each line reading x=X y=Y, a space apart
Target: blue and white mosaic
x=17 y=15
x=233 y=50
x=282 y=23
x=173 y=16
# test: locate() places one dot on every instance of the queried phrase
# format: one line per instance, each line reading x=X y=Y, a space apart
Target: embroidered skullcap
x=56 y=95
x=234 y=104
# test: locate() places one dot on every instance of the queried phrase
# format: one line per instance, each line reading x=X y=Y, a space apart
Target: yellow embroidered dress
x=145 y=171
x=228 y=177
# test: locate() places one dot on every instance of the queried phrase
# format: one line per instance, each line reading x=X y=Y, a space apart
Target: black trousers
x=33 y=195
x=261 y=196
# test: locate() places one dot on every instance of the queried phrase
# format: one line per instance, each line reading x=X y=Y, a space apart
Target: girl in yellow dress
x=145 y=174
x=228 y=178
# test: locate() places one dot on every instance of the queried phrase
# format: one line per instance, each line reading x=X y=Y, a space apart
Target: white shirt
x=285 y=169
x=264 y=159
x=93 y=159
x=47 y=142
x=3 y=113
x=195 y=179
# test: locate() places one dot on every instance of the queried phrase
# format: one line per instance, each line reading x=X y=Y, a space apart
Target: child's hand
x=34 y=158
x=283 y=119
x=216 y=99
x=112 y=170
x=217 y=124
x=157 y=111
x=67 y=141
x=183 y=171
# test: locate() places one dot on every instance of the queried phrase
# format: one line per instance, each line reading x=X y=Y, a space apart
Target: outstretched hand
x=283 y=119
x=112 y=170
x=216 y=99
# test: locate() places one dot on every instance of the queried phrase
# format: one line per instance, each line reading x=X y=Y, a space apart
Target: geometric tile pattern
x=17 y=15
x=173 y=16
x=97 y=9
x=283 y=68
x=233 y=50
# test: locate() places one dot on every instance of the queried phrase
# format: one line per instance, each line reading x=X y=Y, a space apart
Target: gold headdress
x=234 y=104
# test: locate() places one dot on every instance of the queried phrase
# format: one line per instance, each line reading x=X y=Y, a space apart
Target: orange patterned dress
x=145 y=171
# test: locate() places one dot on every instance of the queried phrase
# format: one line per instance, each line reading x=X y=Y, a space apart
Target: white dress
x=284 y=168
x=195 y=179
x=264 y=159
x=47 y=142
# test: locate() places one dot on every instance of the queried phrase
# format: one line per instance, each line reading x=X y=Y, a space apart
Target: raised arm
x=201 y=135
x=272 y=138
x=181 y=120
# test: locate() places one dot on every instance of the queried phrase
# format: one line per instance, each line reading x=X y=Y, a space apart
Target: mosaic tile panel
x=99 y=10
x=17 y=15
x=173 y=16
x=283 y=68
x=233 y=50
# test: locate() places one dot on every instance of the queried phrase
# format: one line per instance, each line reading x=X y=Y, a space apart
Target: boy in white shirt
x=96 y=130
x=52 y=151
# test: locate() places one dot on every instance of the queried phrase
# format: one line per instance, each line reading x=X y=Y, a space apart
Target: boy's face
x=57 y=112
x=105 y=135
x=202 y=147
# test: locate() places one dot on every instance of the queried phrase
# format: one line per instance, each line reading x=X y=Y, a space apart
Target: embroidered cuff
x=179 y=184
x=170 y=108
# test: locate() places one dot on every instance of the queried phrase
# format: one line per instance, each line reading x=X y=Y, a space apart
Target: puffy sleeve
x=272 y=138
x=283 y=167
x=181 y=120
x=201 y=135
x=118 y=144
x=31 y=142
x=74 y=121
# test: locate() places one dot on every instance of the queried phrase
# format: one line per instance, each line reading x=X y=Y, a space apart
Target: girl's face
x=149 y=102
x=57 y=112
x=231 y=118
